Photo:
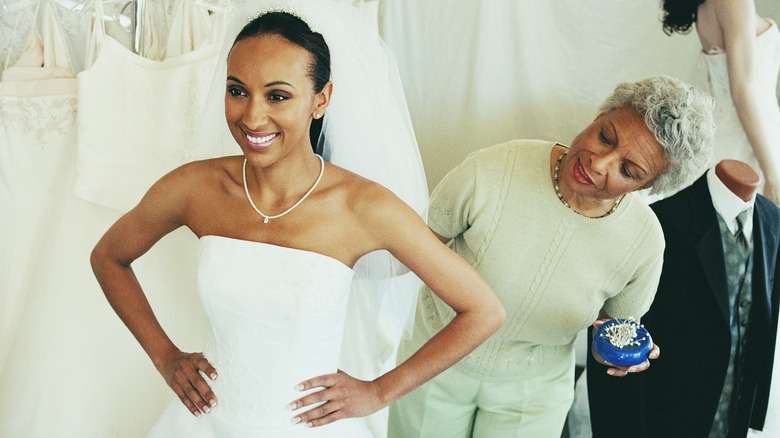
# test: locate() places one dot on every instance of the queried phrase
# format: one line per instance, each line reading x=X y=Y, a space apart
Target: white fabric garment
x=190 y=29
x=37 y=113
x=70 y=367
x=730 y=139
x=276 y=318
x=147 y=127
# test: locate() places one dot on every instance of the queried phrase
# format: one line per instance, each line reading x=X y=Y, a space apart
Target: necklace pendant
x=267 y=218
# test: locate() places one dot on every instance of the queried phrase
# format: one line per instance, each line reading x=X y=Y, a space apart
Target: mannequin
x=738 y=177
x=717 y=334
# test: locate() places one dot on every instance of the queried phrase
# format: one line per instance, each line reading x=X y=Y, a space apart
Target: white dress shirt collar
x=728 y=205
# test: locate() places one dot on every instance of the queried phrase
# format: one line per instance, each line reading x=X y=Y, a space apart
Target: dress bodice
x=276 y=318
x=138 y=118
x=767 y=64
x=731 y=141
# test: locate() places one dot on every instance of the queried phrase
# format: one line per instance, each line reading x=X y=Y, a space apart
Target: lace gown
x=730 y=140
x=276 y=318
x=69 y=368
x=37 y=113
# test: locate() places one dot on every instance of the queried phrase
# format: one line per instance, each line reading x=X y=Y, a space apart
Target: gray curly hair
x=679 y=116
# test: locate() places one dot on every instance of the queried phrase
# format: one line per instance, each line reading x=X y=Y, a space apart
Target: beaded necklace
x=560 y=196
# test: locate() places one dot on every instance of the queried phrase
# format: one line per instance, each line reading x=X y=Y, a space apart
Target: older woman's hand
x=618 y=371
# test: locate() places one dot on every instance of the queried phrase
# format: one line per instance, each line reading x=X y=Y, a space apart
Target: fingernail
x=213 y=402
x=213 y=376
x=197 y=414
x=309 y=425
x=299 y=387
x=292 y=406
x=296 y=420
x=611 y=372
x=206 y=409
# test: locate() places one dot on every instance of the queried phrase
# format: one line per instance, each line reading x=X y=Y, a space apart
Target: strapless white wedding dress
x=276 y=318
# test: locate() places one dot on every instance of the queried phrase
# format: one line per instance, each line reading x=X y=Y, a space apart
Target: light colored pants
x=455 y=405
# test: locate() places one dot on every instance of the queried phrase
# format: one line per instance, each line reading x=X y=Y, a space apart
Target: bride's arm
x=130 y=237
x=738 y=22
x=479 y=313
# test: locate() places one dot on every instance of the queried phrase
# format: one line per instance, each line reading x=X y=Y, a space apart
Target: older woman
x=559 y=234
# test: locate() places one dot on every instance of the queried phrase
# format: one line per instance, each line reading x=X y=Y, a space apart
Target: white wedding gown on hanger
x=37 y=111
x=70 y=368
x=138 y=117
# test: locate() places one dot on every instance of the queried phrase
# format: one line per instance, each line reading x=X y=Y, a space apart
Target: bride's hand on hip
x=342 y=396
x=182 y=372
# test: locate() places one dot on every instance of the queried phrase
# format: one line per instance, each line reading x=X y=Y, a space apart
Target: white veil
x=367 y=130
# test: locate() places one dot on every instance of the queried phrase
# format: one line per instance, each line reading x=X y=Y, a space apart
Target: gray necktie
x=740 y=234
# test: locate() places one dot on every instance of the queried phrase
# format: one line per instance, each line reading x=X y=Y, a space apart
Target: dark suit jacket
x=677 y=396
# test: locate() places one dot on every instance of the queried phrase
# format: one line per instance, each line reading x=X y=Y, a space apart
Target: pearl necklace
x=266 y=217
x=560 y=196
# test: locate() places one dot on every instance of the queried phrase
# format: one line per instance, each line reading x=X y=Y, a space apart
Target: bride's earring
x=317 y=116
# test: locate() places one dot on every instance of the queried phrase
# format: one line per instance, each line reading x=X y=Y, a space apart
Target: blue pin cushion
x=622 y=342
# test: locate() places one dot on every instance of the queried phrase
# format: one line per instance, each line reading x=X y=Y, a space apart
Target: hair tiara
x=286 y=8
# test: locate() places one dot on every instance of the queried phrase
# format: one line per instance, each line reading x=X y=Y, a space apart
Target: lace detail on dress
x=48 y=118
x=247 y=398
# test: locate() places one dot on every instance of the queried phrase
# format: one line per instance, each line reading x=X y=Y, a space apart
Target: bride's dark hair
x=297 y=32
x=679 y=15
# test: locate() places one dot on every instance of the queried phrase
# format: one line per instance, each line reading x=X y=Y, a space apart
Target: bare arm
x=479 y=313
x=443 y=239
x=737 y=19
x=157 y=214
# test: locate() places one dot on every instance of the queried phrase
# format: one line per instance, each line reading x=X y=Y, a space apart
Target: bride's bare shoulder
x=204 y=179
x=366 y=198
x=356 y=186
x=221 y=171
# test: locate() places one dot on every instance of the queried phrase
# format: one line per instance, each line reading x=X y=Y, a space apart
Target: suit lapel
x=763 y=249
x=709 y=246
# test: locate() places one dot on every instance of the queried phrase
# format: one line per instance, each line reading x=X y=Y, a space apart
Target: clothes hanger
x=84 y=6
x=138 y=29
